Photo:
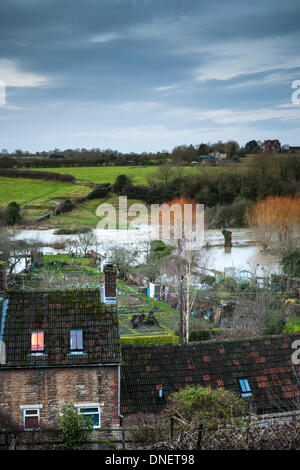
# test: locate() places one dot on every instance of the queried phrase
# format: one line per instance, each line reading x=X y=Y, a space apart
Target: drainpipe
x=119 y=393
x=3 y=316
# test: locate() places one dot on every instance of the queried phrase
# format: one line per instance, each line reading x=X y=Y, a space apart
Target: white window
x=31 y=418
x=92 y=412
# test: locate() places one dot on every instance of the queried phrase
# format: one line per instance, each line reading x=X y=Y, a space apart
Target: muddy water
x=245 y=253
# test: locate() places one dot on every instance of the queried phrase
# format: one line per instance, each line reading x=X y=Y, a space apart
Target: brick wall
x=52 y=387
x=110 y=274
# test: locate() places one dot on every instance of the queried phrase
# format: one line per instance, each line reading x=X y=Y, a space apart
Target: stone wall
x=51 y=387
x=50 y=440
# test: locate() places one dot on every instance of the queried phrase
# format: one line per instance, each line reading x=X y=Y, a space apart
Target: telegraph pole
x=181 y=313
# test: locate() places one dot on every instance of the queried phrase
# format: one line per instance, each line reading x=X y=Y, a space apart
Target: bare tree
x=123 y=258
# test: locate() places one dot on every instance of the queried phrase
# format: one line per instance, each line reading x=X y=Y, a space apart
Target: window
x=93 y=413
x=31 y=417
x=245 y=388
x=76 y=340
x=37 y=341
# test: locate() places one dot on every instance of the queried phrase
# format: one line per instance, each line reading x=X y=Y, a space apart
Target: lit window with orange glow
x=37 y=341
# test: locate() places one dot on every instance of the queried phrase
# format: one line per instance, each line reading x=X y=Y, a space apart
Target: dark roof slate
x=56 y=313
x=265 y=362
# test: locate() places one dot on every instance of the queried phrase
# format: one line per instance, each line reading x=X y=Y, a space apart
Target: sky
x=147 y=75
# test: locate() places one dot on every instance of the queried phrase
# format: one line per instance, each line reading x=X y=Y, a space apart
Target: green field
x=37 y=197
x=26 y=191
x=108 y=174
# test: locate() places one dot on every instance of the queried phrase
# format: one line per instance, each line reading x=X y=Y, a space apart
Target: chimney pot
x=110 y=275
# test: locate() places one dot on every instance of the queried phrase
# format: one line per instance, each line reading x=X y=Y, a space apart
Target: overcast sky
x=147 y=75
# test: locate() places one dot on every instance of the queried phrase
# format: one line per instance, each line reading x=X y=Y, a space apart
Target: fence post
x=198 y=446
x=172 y=428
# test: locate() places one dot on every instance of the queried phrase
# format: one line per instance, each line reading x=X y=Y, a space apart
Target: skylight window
x=76 y=340
x=245 y=388
x=37 y=341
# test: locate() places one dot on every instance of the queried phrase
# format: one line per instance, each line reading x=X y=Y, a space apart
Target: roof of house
x=208 y=157
x=56 y=313
x=265 y=362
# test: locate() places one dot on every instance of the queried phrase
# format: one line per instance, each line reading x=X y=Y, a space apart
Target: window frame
x=27 y=408
x=37 y=332
x=76 y=349
x=245 y=387
x=83 y=406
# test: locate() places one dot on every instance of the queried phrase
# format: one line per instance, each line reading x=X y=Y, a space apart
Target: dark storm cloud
x=160 y=63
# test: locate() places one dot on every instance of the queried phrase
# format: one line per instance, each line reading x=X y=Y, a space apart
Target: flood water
x=244 y=254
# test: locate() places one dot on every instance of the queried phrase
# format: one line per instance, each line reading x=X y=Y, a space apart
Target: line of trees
x=57 y=158
x=266 y=175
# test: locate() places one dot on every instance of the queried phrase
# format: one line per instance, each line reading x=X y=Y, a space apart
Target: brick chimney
x=110 y=275
x=3 y=276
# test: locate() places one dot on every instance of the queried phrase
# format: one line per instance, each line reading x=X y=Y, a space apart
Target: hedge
x=126 y=340
x=204 y=334
x=40 y=175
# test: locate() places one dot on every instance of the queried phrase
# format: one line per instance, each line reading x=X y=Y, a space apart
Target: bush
x=75 y=428
x=64 y=206
x=208 y=280
x=274 y=323
x=144 y=428
x=72 y=230
x=99 y=193
x=121 y=182
x=291 y=263
x=200 y=335
x=209 y=406
x=12 y=213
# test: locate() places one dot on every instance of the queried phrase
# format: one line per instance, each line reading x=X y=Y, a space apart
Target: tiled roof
x=56 y=313
x=265 y=362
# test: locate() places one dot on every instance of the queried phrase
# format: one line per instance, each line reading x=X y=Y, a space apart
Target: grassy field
x=109 y=174
x=38 y=197
x=26 y=191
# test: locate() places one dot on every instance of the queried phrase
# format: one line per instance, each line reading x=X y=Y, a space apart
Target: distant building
x=271 y=146
x=219 y=155
x=207 y=159
x=294 y=149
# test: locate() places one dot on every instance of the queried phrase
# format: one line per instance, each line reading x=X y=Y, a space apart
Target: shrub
x=143 y=428
x=99 y=193
x=291 y=263
x=200 y=335
x=71 y=230
x=12 y=213
x=121 y=182
x=75 y=428
x=208 y=280
x=64 y=206
x=207 y=405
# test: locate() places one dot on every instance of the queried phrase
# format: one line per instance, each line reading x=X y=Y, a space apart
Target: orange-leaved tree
x=276 y=218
